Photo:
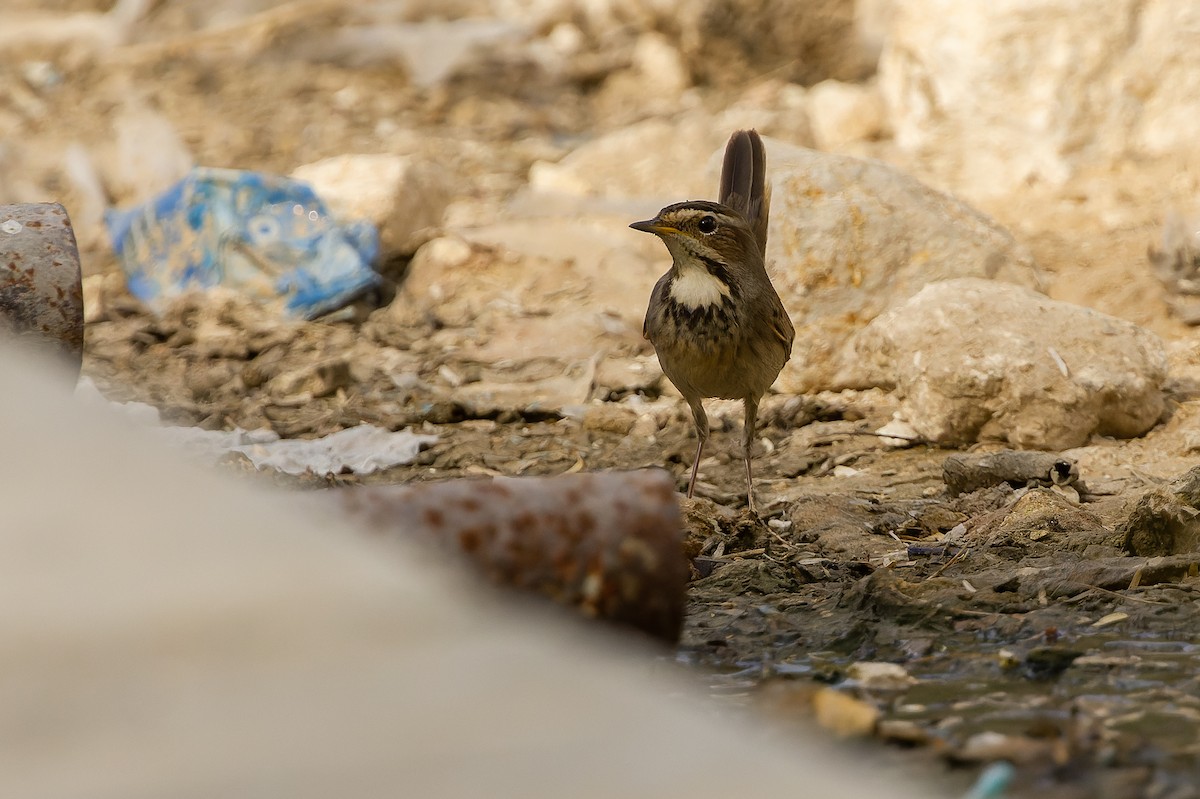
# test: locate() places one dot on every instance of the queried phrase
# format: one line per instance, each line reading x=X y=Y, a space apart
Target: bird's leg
x=751 y=404
x=701 y=420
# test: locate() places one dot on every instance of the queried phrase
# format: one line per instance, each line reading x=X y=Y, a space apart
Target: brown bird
x=716 y=322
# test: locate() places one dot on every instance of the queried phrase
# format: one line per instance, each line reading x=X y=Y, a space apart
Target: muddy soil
x=1051 y=625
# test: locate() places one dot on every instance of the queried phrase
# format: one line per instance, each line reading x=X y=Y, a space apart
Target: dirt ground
x=1053 y=626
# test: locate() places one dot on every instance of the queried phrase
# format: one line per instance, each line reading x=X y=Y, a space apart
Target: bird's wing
x=660 y=288
x=782 y=329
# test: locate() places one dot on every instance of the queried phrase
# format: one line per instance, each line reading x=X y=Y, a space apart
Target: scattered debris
x=267 y=236
x=967 y=472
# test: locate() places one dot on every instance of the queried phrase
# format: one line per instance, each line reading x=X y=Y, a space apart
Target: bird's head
x=699 y=232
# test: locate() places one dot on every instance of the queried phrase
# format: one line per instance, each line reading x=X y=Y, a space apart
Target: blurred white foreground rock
x=981 y=360
x=1004 y=92
x=167 y=631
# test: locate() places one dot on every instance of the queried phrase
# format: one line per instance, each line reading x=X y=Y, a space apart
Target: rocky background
x=984 y=226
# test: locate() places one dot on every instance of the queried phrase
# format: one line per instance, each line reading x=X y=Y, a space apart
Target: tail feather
x=744 y=186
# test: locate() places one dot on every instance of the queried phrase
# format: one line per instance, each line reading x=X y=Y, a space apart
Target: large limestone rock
x=849 y=237
x=980 y=360
x=1002 y=93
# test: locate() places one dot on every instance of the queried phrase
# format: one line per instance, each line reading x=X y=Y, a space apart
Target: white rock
x=403 y=196
x=982 y=360
x=1017 y=90
x=842 y=113
x=879 y=676
x=849 y=237
x=898 y=433
x=659 y=61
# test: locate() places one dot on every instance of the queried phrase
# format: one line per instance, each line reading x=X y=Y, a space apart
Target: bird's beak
x=653 y=226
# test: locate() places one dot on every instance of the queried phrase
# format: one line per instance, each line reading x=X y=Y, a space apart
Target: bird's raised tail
x=744 y=186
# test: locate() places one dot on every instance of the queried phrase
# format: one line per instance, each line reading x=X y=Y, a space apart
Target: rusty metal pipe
x=607 y=543
x=41 y=287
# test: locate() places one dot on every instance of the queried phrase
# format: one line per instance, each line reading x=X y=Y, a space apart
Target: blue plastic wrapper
x=266 y=236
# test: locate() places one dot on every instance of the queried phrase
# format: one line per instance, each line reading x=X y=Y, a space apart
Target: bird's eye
x=707 y=224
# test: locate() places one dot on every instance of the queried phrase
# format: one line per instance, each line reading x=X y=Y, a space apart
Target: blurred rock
x=1176 y=262
x=844 y=715
x=1013 y=91
x=403 y=196
x=843 y=113
x=150 y=155
x=655 y=158
x=979 y=360
x=666 y=161
x=660 y=64
x=86 y=33
x=722 y=42
x=848 y=237
x=872 y=22
x=607 y=544
x=168 y=631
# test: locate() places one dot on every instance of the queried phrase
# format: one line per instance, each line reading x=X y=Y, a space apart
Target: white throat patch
x=697 y=288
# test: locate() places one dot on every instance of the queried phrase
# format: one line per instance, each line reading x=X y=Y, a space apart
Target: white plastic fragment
x=360 y=450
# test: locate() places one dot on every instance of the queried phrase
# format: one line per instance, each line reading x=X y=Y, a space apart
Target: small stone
x=203 y=380
x=902 y=731
x=877 y=676
x=609 y=419
x=989 y=746
x=646 y=426
x=844 y=715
